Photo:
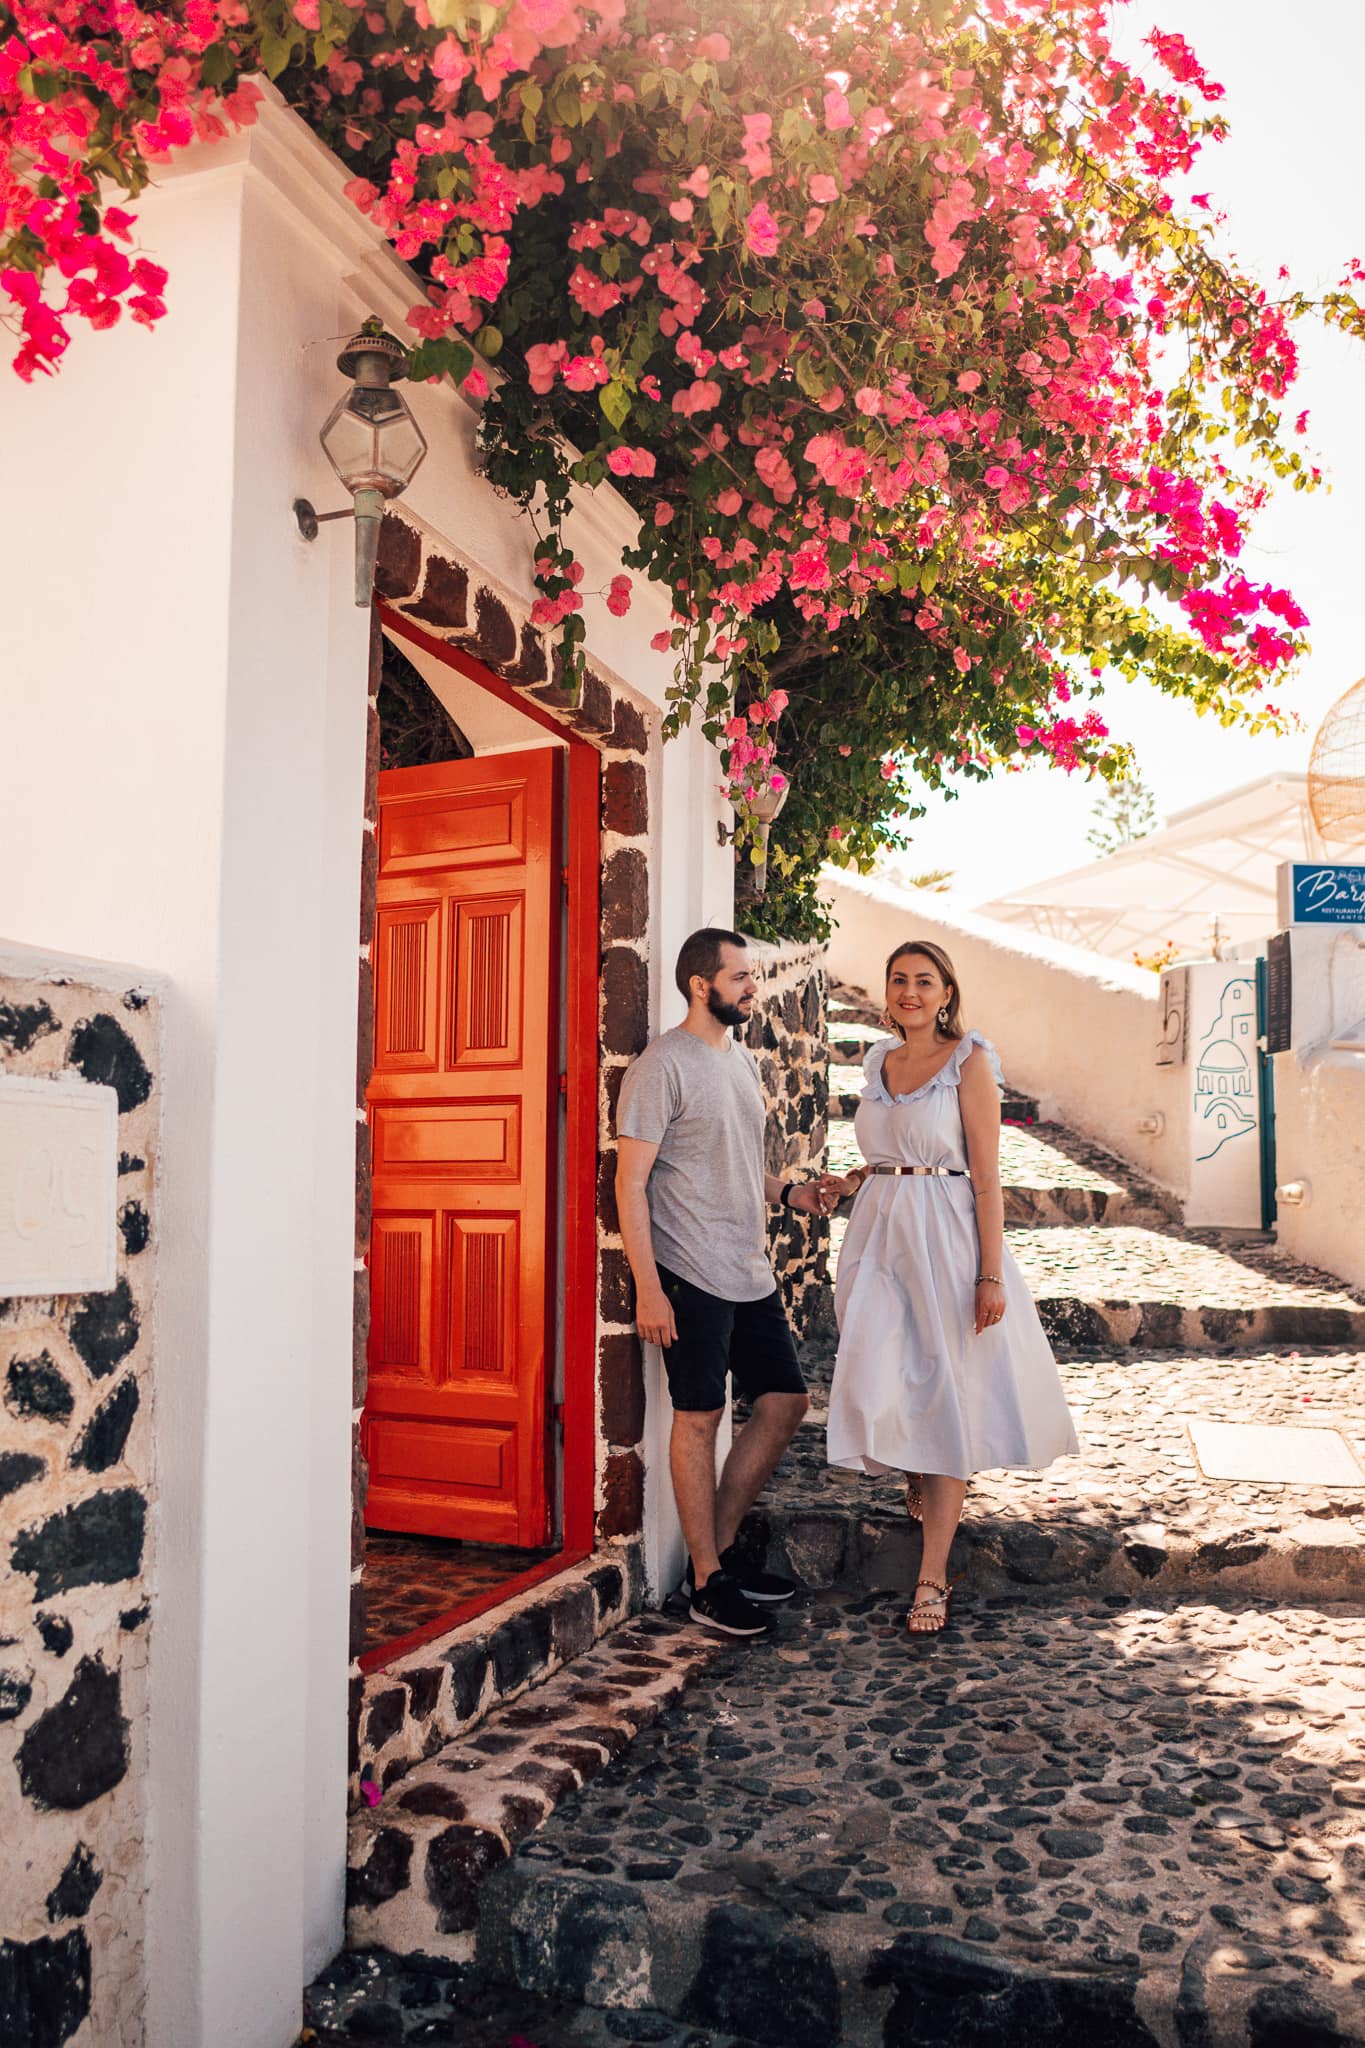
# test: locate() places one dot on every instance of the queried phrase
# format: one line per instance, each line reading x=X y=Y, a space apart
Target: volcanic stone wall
x=75 y=1488
x=788 y=1036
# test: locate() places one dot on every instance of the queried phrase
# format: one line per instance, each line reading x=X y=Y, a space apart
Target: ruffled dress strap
x=949 y=1074
x=874 y=1088
x=970 y=1042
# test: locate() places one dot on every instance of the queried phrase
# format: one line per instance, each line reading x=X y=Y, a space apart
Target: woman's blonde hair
x=947 y=972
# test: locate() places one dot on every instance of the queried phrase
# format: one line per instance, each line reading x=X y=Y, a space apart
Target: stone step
x=1132 y=1511
x=416 y=1860
x=1096 y=1288
x=1075 y=1821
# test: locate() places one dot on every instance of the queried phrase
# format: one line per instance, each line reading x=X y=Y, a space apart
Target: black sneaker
x=721 y=1605
x=764 y=1587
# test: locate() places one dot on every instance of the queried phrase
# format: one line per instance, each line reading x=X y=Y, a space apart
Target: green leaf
x=614 y=400
x=488 y=341
x=218 y=64
x=276 y=52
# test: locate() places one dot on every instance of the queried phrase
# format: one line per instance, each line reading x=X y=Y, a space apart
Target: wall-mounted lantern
x=763 y=810
x=372 y=442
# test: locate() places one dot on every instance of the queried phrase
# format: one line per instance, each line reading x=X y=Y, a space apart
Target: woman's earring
x=943 y=1018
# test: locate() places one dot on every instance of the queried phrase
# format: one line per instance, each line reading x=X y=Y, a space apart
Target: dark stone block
x=812 y=1007
x=78 y=1749
x=629 y=731
x=399 y=561
x=458 y=1860
x=98 y=1542
x=18 y=1468
x=134 y=1618
x=363 y=1190
x=102 y=1441
x=44 y=1989
x=948 y=1990
x=388 y=1711
x=56 y=1634
x=369 y=877
x=1288 y=2016
x=623 y=1505
x=35 y=1386
x=355 y=1695
x=612 y=1077
x=607 y=1214
x=1240 y=1548
x=594 y=710
x=442 y=1800
x=625 y=799
x=608 y=1589
x=625 y=1001
x=16 y=1690
x=23 y=1024
x=621 y=1373
x=531 y=665
x=521 y=1648
x=573 y=1936
x=468 y=1672
x=625 y=894
x=444 y=602
x=71 y=1896
x=493 y=637
x=757 y=1979
x=102 y=1051
x=104 y=1329
x=385 y=1872
x=573 y=1622
x=135 y=1227
x=616 y=1287
x=424 y=1690
x=364 y=1036
x=360 y=1340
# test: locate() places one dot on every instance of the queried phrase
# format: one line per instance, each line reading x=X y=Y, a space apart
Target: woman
x=943 y=1368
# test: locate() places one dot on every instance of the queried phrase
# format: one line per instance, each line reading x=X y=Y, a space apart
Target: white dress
x=915 y=1388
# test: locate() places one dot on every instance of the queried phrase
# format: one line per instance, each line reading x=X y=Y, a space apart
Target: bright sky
x=1288 y=180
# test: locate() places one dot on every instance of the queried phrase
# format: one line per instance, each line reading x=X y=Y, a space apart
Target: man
x=691 y=1191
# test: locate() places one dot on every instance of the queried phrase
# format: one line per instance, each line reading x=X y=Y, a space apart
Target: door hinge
x=563 y=1084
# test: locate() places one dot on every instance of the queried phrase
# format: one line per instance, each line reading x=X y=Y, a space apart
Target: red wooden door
x=463 y=1104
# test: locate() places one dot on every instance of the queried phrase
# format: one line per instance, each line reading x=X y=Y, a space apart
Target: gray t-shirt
x=703 y=1106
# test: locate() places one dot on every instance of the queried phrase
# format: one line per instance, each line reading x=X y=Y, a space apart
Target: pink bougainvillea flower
x=823 y=189
x=755 y=155
x=618 y=596
x=837 y=114
x=761 y=232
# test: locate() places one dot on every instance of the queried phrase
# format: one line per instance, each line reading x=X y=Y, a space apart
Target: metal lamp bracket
x=309 y=520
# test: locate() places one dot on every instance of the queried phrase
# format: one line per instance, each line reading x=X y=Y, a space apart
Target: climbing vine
x=934 y=408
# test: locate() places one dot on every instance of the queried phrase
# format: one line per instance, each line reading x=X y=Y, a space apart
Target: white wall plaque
x=58 y=1186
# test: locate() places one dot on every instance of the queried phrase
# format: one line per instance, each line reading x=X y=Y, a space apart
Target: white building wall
x=1076 y=1031
x=184 y=708
x=1320 y=1102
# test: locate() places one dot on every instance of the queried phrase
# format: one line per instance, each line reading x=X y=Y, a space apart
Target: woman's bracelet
x=784 y=1192
x=989 y=1280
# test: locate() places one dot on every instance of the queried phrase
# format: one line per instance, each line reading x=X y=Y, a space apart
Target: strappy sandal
x=914 y=1498
x=939 y=1596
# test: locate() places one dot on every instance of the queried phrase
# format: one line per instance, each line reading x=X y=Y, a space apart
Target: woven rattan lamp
x=1336 y=772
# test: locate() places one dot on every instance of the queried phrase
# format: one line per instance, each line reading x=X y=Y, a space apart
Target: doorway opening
x=478 y=1431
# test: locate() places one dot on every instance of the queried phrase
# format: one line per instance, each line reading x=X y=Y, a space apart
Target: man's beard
x=729 y=1014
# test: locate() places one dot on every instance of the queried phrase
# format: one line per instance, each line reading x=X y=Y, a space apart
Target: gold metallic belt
x=941 y=1172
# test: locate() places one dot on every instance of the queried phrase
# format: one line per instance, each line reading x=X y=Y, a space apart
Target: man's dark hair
x=700 y=954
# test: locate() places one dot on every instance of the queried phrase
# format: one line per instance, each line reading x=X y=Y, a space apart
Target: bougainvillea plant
x=934 y=407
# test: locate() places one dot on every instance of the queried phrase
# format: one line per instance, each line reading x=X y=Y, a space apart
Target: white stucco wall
x=181 y=784
x=1076 y=1031
x=1320 y=1102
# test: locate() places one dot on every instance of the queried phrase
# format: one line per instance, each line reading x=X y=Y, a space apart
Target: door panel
x=463 y=1103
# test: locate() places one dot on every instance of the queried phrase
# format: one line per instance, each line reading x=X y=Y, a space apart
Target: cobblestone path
x=1120 y=1801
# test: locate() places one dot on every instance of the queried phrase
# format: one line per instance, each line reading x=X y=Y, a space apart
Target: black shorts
x=750 y=1339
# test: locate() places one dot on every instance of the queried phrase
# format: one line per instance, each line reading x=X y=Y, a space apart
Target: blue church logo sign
x=1332 y=893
